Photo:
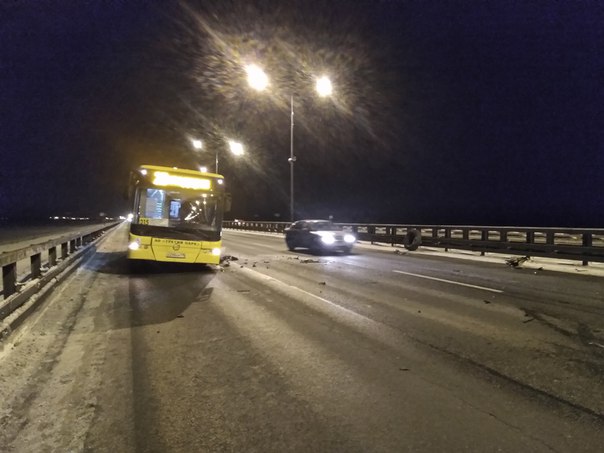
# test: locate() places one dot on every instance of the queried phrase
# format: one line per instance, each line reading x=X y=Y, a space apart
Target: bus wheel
x=412 y=240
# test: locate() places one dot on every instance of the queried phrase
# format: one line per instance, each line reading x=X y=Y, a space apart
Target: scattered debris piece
x=322 y=283
x=404 y=369
x=419 y=311
x=593 y=343
x=229 y=258
x=399 y=252
x=243 y=290
x=180 y=316
x=254 y=265
x=581 y=270
x=309 y=260
x=517 y=261
x=226 y=264
x=486 y=301
x=528 y=320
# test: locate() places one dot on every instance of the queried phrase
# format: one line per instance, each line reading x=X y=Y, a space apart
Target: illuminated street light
x=256 y=77
x=258 y=80
x=197 y=144
x=203 y=169
x=324 y=87
x=236 y=148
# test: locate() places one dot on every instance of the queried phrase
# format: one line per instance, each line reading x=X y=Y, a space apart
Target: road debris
x=517 y=261
x=404 y=369
x=528 y=320
x=399 y=252
x=486 y=301
x=322 y=283
x=309 y=260
x=596 y=344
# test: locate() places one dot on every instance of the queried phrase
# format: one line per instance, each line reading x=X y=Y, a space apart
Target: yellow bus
x=176 y=215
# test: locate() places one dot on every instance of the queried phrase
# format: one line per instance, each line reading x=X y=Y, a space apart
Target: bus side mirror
x=227 y=202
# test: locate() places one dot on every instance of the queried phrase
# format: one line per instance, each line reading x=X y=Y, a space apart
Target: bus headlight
x=349 y=238
x=135 y=245
x=216 y=252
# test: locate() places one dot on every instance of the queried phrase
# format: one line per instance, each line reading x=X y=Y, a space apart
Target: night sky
x=444 y=112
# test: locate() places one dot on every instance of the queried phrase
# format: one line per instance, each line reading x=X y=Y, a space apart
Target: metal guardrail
x=56 y=250
x=580 y=244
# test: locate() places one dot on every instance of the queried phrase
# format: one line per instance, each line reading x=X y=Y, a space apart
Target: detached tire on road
x=412 y=240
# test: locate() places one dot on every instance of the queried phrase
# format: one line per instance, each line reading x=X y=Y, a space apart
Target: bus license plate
x=175 y=255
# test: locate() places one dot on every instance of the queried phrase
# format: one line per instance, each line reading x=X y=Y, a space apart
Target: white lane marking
x=448 y=281
x=277 y=281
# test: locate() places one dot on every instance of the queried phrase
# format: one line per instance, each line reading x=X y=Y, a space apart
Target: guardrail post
x=64 y=250
x=447 y=237
x=587 y=242
x=484 y=237
x=9 y=279
x=35 y=262
x=549 y=238
x=72 y=246
x=52 y=256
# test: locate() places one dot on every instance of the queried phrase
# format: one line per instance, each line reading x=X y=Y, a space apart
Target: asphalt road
x=283 y=351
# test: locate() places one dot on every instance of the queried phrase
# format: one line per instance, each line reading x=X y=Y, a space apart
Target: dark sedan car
x=318 y=236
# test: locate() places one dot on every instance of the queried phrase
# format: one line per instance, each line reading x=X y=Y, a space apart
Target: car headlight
x=328 y=238
x=349 y=238
x=216 y=252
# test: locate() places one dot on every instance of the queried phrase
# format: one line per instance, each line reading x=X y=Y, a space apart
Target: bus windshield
x=180 y=208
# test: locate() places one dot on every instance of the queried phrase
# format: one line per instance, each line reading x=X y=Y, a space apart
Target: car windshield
x=323 y=226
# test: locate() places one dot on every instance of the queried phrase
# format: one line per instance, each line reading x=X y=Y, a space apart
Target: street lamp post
x=258 y=80
x=292 y=160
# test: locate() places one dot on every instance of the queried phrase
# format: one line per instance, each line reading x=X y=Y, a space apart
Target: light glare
x=324 y=87
x=236 y=148
x=256 y=77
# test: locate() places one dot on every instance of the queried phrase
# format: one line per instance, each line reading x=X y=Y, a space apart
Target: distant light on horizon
x=197 y=144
